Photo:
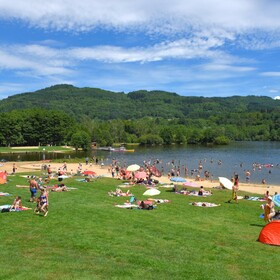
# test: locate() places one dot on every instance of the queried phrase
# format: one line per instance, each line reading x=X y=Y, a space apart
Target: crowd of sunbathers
x=200 y=192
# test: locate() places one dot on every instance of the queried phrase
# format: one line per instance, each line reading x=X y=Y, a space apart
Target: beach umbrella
x=133 y=167
x=89 y=172
x=151 y=191
x=140 y=175
x=191 y=184
x=225 y=182
x=178 y=179
x=276 y=200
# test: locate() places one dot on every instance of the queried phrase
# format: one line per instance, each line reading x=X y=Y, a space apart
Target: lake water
x=235 y=158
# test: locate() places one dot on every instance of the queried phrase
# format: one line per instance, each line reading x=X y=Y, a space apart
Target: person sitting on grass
x=143 y=205
x=17 y=204
x=201 y=191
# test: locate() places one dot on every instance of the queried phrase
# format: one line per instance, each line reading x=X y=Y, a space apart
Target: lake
x=234 y=158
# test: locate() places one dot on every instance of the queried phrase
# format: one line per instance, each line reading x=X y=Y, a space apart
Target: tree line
x=48 y=127
x=64 y=114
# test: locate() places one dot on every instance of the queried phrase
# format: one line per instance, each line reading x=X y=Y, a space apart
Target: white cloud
x=271 y=74
x=273 y=90
x=180 y=49
x=33 y=60
x=277 y=97
x=160 y=15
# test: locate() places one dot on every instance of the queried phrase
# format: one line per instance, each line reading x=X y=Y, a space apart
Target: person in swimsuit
x=234 y=189
x=43 y=203
x=201 y=191
x=269 y=211
x=17 y=204
x=33 y=187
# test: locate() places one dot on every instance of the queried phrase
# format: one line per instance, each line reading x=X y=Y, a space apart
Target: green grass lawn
x=35 y=149
x=85 y=237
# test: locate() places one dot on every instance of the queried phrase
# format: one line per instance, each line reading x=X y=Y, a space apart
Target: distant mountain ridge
x=107 y=105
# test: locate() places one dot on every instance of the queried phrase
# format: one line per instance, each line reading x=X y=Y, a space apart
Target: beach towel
x=127 y=205
x=7 y=206
x=124 y=186
x=82 y=180
x=255 y=198
x=204 y=204
x=165 y=186
x=22 y=186
x=158 y=200
x=4 y=194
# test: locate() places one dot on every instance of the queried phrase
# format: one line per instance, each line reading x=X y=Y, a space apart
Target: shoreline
x=32 y=166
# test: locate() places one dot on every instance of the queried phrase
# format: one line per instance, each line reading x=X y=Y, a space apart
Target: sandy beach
x=30 y=167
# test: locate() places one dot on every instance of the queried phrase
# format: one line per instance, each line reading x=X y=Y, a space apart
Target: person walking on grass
x=234 y=189
x=43 y=203
x=33 y=187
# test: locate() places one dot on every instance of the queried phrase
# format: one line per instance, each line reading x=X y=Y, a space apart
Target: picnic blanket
x=4 y=194
x=204 y=204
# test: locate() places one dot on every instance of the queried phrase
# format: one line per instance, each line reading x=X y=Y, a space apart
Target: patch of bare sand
x=103 y=171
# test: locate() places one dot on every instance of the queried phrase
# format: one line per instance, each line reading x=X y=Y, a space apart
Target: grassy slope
x=86 y=237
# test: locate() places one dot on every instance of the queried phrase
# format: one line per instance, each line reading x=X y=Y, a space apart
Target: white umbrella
x=151 y=191
x=133 y=167
x=225 y=182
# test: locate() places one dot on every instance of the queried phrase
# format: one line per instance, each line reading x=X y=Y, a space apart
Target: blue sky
x=194 y=48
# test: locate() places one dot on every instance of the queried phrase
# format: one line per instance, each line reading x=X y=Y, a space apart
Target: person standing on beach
x=248 y=175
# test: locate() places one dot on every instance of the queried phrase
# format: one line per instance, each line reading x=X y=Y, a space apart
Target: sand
x=30 y=167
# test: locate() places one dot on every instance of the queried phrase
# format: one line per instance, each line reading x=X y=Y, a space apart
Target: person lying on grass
x=59 y=188
x=119 y=192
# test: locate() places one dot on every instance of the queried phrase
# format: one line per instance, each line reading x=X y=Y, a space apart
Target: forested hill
x=105 y=105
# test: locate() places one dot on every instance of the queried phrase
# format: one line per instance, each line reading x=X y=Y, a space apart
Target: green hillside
x=66 y=114
x=106 y=105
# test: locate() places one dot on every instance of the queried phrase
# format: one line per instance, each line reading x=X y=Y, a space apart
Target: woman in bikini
x=269 y=211
x=17 y=204
x=43 y=202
